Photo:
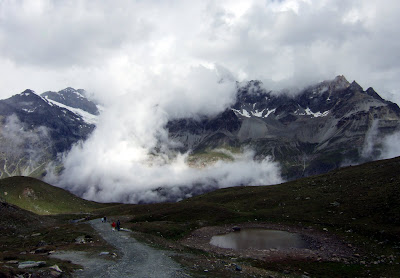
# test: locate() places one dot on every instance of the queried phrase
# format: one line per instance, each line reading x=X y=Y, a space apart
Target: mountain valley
x=350 y=217
x=321 y=128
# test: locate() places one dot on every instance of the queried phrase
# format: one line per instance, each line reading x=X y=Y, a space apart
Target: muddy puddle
x=260 y=239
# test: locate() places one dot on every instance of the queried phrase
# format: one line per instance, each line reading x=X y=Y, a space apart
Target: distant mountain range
x=317 y=130
x=321 y=128
x=34 y=128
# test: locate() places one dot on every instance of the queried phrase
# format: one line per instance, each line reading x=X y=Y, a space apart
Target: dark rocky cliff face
x=33 y=131
x=312 y=132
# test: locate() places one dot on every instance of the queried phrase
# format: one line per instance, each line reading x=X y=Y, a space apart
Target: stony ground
x=134 y=259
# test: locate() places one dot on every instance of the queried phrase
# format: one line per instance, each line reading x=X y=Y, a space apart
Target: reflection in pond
x=258 y=239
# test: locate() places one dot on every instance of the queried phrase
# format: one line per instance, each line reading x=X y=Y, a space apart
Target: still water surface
x=258 y=239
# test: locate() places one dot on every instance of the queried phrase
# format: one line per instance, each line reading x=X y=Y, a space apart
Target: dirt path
x=136 y=259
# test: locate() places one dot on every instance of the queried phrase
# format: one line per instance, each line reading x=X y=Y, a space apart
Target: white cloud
x=390 y=146
x=23 y=149
x=113 y=47
x=125 y=173
x=127 y=157
x=153 y=60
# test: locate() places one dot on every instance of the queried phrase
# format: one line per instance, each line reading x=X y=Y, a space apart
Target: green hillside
x=364 y=198
x=42 y=198
x=358 y=204
x=14 y=219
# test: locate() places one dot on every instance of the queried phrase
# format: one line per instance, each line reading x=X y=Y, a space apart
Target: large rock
x=30 y=264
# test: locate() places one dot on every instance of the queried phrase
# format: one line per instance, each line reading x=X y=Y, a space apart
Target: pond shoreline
x=259 y=239
x=321 y=245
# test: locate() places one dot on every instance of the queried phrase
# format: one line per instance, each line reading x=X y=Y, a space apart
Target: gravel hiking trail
x=136 y=259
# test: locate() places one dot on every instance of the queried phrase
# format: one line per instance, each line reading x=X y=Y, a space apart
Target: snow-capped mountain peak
x=72 y=98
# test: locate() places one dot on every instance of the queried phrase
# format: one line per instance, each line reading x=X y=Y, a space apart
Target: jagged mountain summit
x=73 y=99
x=312 y=132
x=316 y=130
x=34 y=129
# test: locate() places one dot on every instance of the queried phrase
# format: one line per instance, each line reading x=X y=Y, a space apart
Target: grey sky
x=153 y=60
x=111 y=48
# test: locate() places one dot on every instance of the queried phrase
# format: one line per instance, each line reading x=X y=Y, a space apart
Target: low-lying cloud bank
x=159 y=179
x=18 y=144
x=377 y=146
x=391 y=146
x=128 y=157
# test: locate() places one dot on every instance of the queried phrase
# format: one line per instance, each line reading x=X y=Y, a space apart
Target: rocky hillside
x=34 y=129
x=317 y=130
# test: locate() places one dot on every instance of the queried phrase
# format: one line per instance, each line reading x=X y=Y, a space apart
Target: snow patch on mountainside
x=308 y=112
x=29 y=110
x=86 y=116
x=242 y=112
x=269 y=112
x=257 y=113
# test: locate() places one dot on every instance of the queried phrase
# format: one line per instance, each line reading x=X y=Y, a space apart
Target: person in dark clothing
x=118 y=225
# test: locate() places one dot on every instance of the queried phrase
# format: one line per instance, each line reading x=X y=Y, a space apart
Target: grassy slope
x=41 y=198
x=363 y=198
x=360 y=204
x=14 y=219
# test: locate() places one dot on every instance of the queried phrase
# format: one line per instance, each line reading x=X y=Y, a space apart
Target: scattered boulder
x=42 y=250
x=29 y=264
x=335 y=204
x=56 y=268
x=55 y=274
x=29 y=193
x=80 y=240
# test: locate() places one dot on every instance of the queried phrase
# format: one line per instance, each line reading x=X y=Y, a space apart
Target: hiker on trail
x=105 y=219
x=118 y=225
x=113 y=226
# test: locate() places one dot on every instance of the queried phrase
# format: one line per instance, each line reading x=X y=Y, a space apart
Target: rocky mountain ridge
x=321 y=128
x=34 y=129
x=317 y=130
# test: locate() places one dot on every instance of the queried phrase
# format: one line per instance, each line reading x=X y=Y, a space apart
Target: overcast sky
x=150 y=61
x=115 y=47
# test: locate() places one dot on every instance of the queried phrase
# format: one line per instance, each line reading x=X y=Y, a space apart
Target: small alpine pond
x=260 y=239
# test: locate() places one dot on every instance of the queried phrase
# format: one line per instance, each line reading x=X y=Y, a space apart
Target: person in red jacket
x=113 y=225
